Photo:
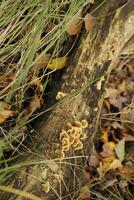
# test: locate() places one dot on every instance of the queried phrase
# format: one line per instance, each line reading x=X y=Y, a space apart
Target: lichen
x=71 y=138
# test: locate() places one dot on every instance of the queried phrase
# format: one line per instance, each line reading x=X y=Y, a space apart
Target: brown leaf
x=33 y=105
x=129 y=138
x=115 y=98
x=5 y=111
x=74 y=26
x=41 y=61
x=86 y=177
x=89 y=22
x=93 y=161
x=127 y=114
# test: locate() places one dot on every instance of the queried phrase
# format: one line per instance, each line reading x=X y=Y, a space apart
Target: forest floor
x=36 y=40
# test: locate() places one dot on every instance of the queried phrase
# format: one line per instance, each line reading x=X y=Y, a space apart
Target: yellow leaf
x=110 y=145
x=104 y=137
x=5 y=111
x=104 y=166
x=57 y=63
x=115 y=164
x=107 y=162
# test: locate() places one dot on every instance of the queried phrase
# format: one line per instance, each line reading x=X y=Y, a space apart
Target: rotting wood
x=97 y=55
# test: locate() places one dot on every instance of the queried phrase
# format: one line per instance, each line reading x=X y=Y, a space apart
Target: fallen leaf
x=86 y=177
x=115 y=98
x=120 y=149
x=104 y=136
x=89 y=22
x=129 y=138
x=115 y=164
x=41 y=61
x=108 y=149
x=57 y=63
x=128 y=115
x=33 y=105
x=5 y=111
x=84 y=193
x=126 y=172
x=104 y=165
x=36 y=81
x=74 y=26
x=93 y=161
x=116 y=125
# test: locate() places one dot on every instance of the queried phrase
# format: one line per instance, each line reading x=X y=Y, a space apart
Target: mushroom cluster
x=72 y=137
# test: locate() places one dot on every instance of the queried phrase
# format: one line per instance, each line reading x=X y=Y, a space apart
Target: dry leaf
x=5 y=111
x=109 y=163
x=41 y=62
x=57 y=63
x=93 y=161
x=74 y=26
x=128 y=115
x=126 y=172
x=36 y=81
x=129 y=138
x=116 y=125
x=104 y=136
x=33 y=105
x=89 y=22
x=108 y=149
x=86 y=177
x=115 y=164
x=104 y=165
x=115 y=98
x=120 y=149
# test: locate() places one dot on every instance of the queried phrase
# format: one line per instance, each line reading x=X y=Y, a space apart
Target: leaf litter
x=112 y=159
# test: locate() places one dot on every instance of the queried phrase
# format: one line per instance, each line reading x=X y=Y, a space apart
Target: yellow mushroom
x=64 y=134
x=84 y=123
x=78 y=124
x=83 y=136
x=79 y=146
x=76 y=142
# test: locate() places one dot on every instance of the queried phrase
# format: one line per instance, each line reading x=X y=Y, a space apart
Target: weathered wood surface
x=84 y=81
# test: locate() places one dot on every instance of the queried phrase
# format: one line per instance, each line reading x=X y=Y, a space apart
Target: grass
x=27 y=28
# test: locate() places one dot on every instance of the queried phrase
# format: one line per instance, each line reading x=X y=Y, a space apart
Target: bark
x=83 y=83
